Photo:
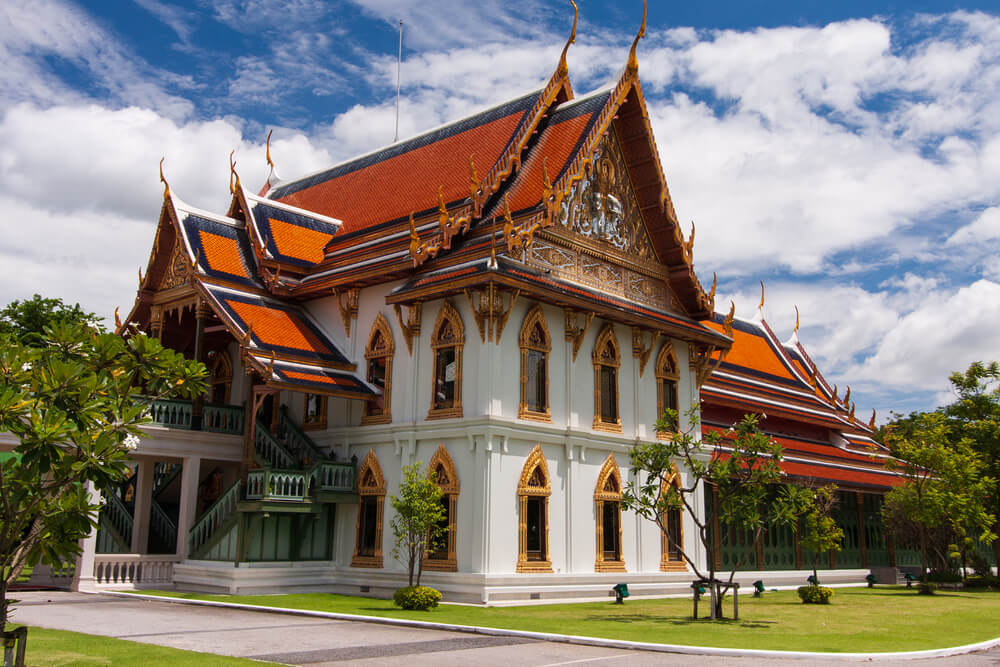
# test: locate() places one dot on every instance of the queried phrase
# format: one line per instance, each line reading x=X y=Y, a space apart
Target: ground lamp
x=621 y=592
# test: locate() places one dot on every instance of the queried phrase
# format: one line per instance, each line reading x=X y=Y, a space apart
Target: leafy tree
x=26 y=321
x=417 y=523
x=71 y=404
x=742 y=466
x=820 y=532
x=945 y=483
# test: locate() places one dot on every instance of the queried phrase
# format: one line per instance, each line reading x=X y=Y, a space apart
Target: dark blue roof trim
x=353 y=385
x=194 y=224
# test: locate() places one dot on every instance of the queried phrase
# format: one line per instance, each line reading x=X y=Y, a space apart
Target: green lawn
x=58 y=647
x=858 y=619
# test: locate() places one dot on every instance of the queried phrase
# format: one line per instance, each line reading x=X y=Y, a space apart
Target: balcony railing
x=270 y=484
x=174 y=413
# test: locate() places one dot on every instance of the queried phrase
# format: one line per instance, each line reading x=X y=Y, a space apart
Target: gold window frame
x=449 y=488
x=535 y=317
x=526 y=489
x=605 y=338
x=386 y=351
x=667 y=564
x=447 y=314
x=666 y=370
x=602 y=495
x=375 y=488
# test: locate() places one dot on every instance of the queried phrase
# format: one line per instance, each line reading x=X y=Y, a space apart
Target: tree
x=26 y=321
x=72 y=405
x=741 y=469
x=419 y=515
x=820 y=532
x=944 y=486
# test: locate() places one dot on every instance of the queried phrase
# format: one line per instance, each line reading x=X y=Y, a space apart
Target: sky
x=846 y=154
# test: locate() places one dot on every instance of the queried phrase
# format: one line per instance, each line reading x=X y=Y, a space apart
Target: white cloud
x=986 y=227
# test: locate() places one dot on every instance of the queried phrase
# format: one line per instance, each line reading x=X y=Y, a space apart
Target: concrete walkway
x=301 y=640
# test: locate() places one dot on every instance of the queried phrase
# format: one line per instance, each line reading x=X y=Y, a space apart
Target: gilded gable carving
x=177 y=269
x=602 y=205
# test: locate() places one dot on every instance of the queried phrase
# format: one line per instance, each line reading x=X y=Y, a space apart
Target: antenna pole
x=399 y=61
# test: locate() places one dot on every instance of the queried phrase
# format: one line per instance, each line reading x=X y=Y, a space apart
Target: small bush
x=815 y=594
x=926 y=588
x=420 y=598
x=983 y=581
x=944 y=576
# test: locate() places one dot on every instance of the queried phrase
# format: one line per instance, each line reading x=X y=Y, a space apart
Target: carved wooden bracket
x=411 y=327
x=640 y=348
x=574 y=331
x=491 y=309
x=450 y=225
x=348 y=307
x=702 y=362
x=420 y=252
x=519 y=239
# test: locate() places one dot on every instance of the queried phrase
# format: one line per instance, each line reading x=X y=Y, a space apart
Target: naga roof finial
x=711 y=293
x=760 y=306
x=118 y=321
x=473 y=177
x=727 y=323
x=847 y=396
x=442 y=209
x=166 y=186
x=633 y=61
x=689 y=244
x=563 y=67
x=796 y=329
x=267 y=154
x=232 y=173
x=871 y=422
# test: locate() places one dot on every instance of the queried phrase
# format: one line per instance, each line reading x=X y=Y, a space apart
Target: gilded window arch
x=671 y=559
x=533 y=491
x=607 y=362
x=444 y=558
x=667 y=379
x=536 y=346
x=368 y=532
x=447 y=341
x=220 y=378
x=608 y=505
x=379 y=353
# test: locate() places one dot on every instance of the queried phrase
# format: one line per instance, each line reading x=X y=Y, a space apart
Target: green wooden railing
x=222 y=418
x=272 y=451
x=163 y=474
x=214 y=517
x=161 y=524
x=118 y=516
x=329 y=476
x=171 y=413
x=297 y=441
x=270 y=484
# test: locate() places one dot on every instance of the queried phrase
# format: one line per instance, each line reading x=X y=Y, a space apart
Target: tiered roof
x=821 y=437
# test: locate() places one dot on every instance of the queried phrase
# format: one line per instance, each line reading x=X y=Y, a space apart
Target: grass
x=59 y=647
x=858 y=620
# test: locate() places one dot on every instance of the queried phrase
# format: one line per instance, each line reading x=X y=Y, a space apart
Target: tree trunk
x=411 y=563
x=420 y=563
x=3 y=604
x=923 y=551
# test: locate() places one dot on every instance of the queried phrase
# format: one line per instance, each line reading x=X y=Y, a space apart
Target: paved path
x=300 y=640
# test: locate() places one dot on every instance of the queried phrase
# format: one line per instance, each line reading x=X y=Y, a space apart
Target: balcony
x=214 y=418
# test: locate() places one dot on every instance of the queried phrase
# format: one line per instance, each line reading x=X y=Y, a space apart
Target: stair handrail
x=161 y=523
x=268 y=447
x=214 y=516
x=119 y=516
x=163 y=474
x=299 y=441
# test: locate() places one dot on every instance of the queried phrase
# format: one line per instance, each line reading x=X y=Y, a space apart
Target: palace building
x=508 y=299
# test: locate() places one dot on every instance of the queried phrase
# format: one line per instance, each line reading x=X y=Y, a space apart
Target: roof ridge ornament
x=232 y=172
x=796 y=329
x=689 y=244
x=563 y=68
x=727 y=324
x=759 y=317
x=166 y=186
x=272 y=176
x=871 y=422
x=633 y=62
x=711 y=293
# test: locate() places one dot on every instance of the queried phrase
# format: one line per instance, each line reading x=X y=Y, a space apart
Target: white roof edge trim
x=292 y=209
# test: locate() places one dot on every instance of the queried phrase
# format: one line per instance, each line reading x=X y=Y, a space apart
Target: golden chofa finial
x=727 y=324
x=267 y=149
x=442 y=209
x=835 y=399
x=847 y=396
x=473 y=177
x=563 y=67
x=166 y=186
x=760 y=306
x=689 y=244
x=715 y=283
x=871 y=422
x=118 y=321
x=796 y=329
x=232 y=174
x=633 y=61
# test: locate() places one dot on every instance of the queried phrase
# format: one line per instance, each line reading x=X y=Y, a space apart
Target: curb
x=586 y=641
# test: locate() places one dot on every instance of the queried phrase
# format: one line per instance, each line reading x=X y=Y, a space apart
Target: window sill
x=441 y=564
x=445 y=413
x=531 y=415
x=376 y=419
x=608 y=427
x=534 y=566
x=673 y=566
x=367 y=561
x=609 y=566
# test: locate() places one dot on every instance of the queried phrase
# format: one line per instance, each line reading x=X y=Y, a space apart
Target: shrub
x=979 y=564
x=983 y=581
x=815 y=594
x=926 y=588
x=420 y=598
x=944 y=576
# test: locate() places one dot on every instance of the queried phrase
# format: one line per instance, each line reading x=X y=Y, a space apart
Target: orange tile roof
x=389 y=189
x=299 y=242
x=753 y=351
x=554 y=149
x=317 y=377
x=222 y=254
x=274 y=327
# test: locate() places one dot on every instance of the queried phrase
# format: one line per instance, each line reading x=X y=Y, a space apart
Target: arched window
x=672 y=535
x=220 y=377
x=371 y=492
x=378 y=355
x=447 y=342
x=667 y=376
x=533 y=493
x=535 y=347
x=608 y=504
x=443 y=557
x=607 y=361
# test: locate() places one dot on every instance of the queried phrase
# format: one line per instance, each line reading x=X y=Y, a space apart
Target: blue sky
x=847 y=154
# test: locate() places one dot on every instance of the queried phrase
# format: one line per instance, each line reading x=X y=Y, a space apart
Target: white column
x=143 y=498
x=190 y=477
x=83 y=578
